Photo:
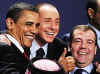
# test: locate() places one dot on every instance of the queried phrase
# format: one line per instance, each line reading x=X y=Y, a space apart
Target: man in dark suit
x=46 y=38
x=83 y=45
x=21 y=22
x=48 y=29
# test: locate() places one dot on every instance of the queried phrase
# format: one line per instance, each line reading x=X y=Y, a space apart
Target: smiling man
x=49 y=27
x=83 y=46
x=21 y=22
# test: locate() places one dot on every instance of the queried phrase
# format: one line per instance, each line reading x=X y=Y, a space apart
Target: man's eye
x=77 y=41
x=47 y=21
x=38 y=24
x=91 y=42
x=29 y=23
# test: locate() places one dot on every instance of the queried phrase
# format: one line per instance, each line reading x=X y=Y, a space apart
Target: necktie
x=79 y=71
x=40 y=53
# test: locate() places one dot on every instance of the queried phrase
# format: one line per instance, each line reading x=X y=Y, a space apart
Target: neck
x=40 y=41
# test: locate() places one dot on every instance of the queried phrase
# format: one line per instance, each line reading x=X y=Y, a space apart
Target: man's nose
x=34 y=29
x=53 y=25
x=84 y=44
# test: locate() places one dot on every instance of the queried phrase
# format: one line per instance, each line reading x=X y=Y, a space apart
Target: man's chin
x=28 y=43
x=49 y=41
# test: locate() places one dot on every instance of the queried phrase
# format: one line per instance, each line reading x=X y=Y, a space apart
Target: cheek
x=93 y=51
x=57 y=28
x=75 y=49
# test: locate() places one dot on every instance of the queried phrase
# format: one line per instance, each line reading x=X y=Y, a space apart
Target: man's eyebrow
x=48 y=18
x=29 y=22
x=51 y=18
x=76 y=38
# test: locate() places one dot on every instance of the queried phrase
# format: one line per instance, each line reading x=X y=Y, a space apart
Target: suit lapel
x=94 y=70
x=50 y=52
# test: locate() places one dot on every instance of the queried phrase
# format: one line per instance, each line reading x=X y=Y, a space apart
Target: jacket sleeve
x=6 y=65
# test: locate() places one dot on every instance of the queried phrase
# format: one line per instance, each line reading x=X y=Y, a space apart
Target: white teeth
x=29 y=37
x=50 y=33
x=82 y=53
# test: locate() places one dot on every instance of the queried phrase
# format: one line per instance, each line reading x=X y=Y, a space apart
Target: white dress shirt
x=87 y=68
x=35 y=47
x=15 y=42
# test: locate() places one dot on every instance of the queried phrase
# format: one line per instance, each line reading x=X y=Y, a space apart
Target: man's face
x=83 y=47
x=49 y=24
x=25 y=27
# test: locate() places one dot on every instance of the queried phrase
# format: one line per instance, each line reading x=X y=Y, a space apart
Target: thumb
x=63 y=54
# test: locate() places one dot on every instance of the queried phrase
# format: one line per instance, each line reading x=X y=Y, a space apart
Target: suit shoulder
x=59 y=41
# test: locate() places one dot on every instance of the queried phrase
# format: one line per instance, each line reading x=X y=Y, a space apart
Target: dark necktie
x=40 y=53
x=79 y=71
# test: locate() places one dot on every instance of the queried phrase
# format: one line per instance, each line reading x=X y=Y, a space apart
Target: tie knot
x=40 y=53
x=79 y=71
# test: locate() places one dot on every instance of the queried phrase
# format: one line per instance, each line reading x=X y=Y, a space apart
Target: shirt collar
x=87 y=68
x=36 y=46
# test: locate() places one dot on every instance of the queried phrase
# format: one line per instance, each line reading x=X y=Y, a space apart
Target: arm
x=6 y=65
x=11 y=60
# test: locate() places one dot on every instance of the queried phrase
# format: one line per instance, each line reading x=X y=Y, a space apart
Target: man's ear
x=91 y=13
x=9 y=23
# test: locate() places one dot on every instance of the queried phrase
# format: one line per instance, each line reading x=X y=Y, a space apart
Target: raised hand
x=68 y=63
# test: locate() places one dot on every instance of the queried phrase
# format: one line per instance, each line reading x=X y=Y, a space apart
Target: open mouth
x=82 y=53
x=50 y=33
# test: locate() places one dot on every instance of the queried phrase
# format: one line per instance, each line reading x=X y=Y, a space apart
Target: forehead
x=27 y=14
x=83 y=34
x=48 y=11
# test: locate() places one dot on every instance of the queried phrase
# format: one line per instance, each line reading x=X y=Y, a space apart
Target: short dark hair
x=83 y=28
x=15 y=10
x=92 y=4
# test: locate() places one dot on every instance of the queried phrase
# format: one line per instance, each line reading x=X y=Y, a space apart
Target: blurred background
x=72 y=12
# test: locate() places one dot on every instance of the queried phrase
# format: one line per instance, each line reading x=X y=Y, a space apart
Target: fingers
x=4 y=39
x=64 y=52
x=70 y=63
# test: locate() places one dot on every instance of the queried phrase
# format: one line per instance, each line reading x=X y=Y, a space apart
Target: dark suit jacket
x=94 y=70
x=55 y=49
x=12 y=61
